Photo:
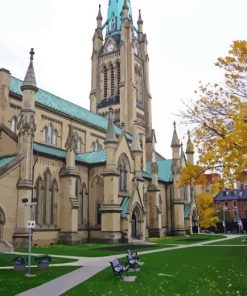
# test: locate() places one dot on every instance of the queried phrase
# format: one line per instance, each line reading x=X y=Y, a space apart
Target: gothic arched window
x=47 y=198
x=79 y=195
x=50 y=135
x=105 y=82
x=39 y=193
x=98 y=214
x=112 y=80
x=123 y=169
x=54 y=190
x=118 y=77
x=14 y=124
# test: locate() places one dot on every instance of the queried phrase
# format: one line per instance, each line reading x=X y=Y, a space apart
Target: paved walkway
x=92 y=266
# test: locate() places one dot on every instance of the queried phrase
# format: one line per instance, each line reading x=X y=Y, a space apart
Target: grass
x=85 y=250
x=242 y=240
x=181 y=240
x=7 y=259
x=12 y=282
x=203 y=271
x=93 y=250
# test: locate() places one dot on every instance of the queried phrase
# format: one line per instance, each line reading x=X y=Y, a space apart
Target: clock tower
x=120 y=70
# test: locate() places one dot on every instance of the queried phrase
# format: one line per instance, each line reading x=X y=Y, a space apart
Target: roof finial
x=32 y=53
x=99 y=17
x=175 y=140
x=174 y=124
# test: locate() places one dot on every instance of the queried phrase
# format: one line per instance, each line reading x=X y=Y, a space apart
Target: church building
x=90 y=175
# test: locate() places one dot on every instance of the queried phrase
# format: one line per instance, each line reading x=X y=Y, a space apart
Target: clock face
x=110 y=47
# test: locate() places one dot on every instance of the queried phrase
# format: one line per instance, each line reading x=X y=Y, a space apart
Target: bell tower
x=120 y=70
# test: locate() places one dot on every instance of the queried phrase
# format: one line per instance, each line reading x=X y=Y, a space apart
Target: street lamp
x=30 y=225
x=238 y=219
x=224 y=218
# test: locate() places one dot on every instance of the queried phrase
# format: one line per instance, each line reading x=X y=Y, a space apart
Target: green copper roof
x=67 y=108
x=95 y=157
x=124 y=207
x=165 y=170
x=114 y=16
x=6 y=160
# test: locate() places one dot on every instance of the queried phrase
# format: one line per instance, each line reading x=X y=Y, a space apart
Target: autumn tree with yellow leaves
x=219 y=118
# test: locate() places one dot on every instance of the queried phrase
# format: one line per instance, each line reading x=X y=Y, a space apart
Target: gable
x=123 y=148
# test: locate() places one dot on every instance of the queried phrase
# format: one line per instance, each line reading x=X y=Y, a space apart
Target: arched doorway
x=134 y=226
x=136 y=223
x=2 y=222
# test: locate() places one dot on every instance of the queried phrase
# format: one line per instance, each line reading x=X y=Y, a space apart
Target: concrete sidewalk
x=92 y=266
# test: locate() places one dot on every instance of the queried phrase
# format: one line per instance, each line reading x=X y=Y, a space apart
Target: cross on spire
x=32 y=53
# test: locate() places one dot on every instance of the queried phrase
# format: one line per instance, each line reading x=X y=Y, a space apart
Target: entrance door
x=133 y=226
x=2 y=222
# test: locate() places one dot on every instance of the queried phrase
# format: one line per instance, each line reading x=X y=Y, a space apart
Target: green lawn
x=181 y=240
x=7 y=259
x=86 y=250
x=242 y=240
x=12 y=282
x=203 y=271
x=95 y=249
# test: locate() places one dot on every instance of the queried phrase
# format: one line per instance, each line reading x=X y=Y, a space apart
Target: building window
x=79 y=195
x=118 y=78
x=98 y=214
x=105 y=82
x=14 y=124
x=226 y=204
x=50 y=135
x=46 y=207
x=123 y=169
x=112 y=80
x=234 y=203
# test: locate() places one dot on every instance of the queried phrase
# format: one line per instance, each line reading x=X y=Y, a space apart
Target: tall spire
x=30 y=81
x=99 y=18
x=175 y=140
x=114 y=15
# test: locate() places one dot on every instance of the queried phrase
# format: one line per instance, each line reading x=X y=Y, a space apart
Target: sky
x=185 y=38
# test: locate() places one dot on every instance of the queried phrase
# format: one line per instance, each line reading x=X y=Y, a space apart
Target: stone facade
x=90 y=175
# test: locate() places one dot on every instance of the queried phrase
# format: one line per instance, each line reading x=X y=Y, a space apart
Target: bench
x=118 y=268
x=133 y=260
x=133 y=255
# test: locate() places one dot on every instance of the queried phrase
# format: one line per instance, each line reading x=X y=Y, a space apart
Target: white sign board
x=31 y=224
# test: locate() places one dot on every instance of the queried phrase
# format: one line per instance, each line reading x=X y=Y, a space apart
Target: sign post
x=30 y=225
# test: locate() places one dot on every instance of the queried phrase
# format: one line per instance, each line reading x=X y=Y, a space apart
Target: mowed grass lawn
x=12 y=282
x=242 y=241
x=203 y=271
x=98 y=249
x=7 y=259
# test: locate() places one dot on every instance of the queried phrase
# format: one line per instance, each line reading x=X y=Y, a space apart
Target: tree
x=206 y=210
x=194 y=175
x=219 y=117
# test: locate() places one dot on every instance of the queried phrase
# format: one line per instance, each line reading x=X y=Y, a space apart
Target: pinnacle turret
x=30 y=81
x=110 y=134
x=175 y=140
x=190 y=146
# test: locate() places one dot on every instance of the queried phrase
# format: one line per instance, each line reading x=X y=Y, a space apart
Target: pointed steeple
x=190 y=146
x=140 y=23
x=175 y=140
x=110 y=134
x=114 y=15
x=30 y=81
x=99 y=18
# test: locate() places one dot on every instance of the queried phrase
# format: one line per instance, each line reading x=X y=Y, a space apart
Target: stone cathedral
x=90 y=175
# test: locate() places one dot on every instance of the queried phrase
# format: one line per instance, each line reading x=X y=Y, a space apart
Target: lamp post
x=224 y=218
x=238 y=219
